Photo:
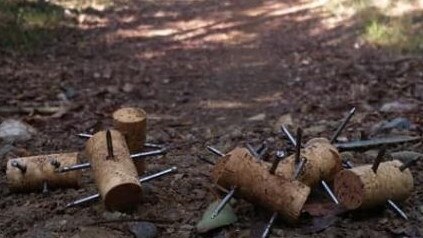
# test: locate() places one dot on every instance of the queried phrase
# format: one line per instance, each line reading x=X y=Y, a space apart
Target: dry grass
x=393 y=24
x=25 y=25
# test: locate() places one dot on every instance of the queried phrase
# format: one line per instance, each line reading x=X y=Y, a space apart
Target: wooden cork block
x=255 y=184
x=360 y=187
x=323 y=163
x=35 y=171
x=116 y=177
x=132 y=123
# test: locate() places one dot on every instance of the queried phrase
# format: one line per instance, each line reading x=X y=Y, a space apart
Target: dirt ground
x=210 y=72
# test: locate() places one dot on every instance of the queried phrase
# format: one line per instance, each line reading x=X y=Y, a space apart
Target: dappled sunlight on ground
x=224 y=26
x=219 y=104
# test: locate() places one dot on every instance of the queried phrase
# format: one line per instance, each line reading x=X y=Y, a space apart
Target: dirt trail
x=207 y=72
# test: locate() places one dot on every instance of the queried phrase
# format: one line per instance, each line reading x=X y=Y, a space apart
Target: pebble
x=143 y=229
x=13 y=130
x=397 y=106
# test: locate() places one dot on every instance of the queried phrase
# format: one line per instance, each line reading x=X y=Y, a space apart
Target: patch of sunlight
x=160 y=14
x=263 y=9
x=397 y=34
x=160 y=32
x=146 y=54
x=348 y=8
x=80 y=5
x=296 y=9
x=232 y=37
x=269 y=98
x=392 y=24
x=220 y=104
x=25 y=25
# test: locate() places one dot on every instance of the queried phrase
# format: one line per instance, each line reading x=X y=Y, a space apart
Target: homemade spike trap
x=318 y=161
x=28 y=174
x=389 y=181
x=299 y=163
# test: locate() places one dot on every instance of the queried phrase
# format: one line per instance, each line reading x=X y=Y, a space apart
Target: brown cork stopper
x=132 y=123
x=116 y=177
x=323 y=162
x=255 y=184
x=42 y=169
x=360 y=187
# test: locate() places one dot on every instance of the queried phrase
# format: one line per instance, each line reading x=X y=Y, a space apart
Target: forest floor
x=218 y=73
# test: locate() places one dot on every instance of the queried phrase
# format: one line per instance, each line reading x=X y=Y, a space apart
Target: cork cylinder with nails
x=361 y=187
x=323 y=163
x=115 y=176
x=254 y=183
x=32 y=173
x=132 y=123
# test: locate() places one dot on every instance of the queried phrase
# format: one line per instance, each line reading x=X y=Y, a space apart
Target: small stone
x=143 y=229
x=400 y=123
x=128 y=87
x=405 y=155
x=110 y=216
x=398 y=107
x=13 y=130
x=258 y=117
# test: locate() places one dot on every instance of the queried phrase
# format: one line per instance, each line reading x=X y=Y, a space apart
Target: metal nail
x=262 y=147
x=18 y=165
x=215 y=151
x=289 y=135
x=330 y=192
x=300 y=168
x=142 y=180
x=252 y=150
x=397 y=209
x=74 y=167
x=149 y=153
x=223 y=203
x=109 y=145
x=298 y=145
x=146 y=144
x=342 y=126
x=262 y=151
x=133 y=156
x=269 y=225
x=280 y=154
x=378 y=160
x=84 y=135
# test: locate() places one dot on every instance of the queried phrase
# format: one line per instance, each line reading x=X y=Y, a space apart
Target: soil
x=218 y=73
